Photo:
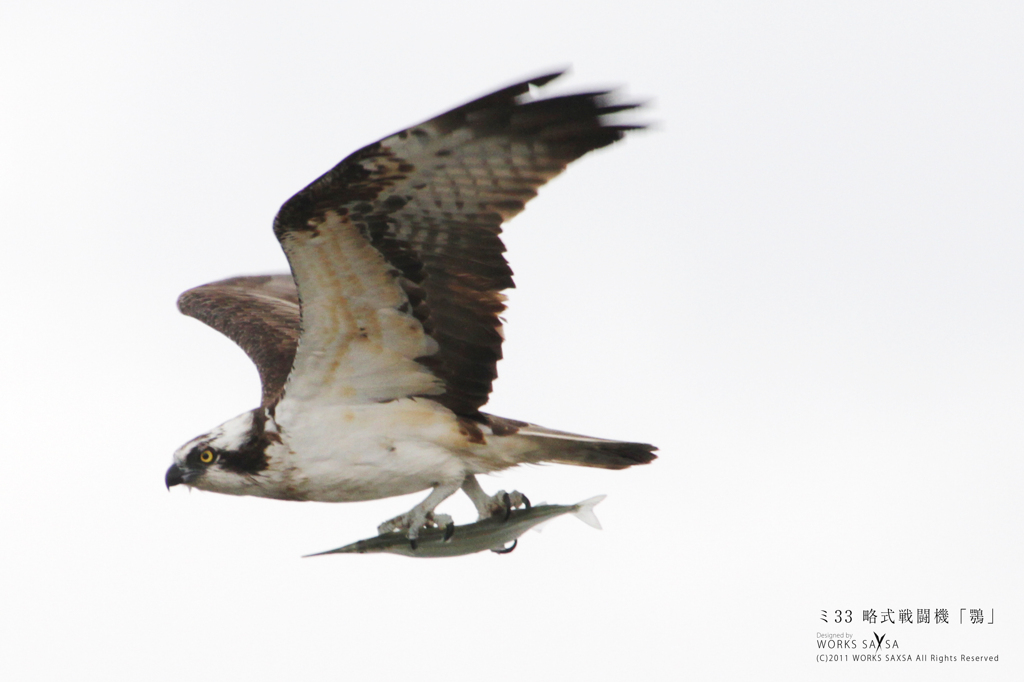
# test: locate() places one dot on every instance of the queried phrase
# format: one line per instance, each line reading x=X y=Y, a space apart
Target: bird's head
x=227 y=459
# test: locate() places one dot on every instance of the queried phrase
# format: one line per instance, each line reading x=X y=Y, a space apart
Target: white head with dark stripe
x=227 y=459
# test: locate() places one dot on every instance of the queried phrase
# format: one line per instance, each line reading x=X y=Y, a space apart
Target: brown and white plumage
x=379 y=350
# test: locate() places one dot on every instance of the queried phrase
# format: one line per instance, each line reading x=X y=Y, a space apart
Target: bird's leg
x=436 y=520
x=423 y=513
x=499 y=504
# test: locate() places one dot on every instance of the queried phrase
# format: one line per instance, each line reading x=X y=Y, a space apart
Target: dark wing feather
x=432 y=199
x=260 y=314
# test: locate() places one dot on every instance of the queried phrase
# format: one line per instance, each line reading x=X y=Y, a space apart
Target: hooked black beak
x=174 y=476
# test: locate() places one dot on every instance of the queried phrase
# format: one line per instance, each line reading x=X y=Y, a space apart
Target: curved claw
x=506 y=550
x=449 y=531
x=497 y=506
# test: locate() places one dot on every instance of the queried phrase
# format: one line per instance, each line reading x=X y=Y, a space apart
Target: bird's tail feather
x=561 y=447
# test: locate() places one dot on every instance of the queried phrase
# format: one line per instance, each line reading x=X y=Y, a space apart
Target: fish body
x=490 y=533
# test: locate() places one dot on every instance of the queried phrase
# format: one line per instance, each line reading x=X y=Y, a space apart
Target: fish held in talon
x=488 y=534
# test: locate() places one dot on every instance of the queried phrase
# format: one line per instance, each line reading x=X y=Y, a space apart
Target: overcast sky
x=804 y=284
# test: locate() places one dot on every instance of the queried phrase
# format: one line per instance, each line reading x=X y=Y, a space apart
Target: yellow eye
x=206 y=456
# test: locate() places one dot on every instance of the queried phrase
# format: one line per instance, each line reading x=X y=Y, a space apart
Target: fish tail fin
x=585 y=511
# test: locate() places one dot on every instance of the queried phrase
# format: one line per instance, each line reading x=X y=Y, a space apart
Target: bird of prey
x=379 y=349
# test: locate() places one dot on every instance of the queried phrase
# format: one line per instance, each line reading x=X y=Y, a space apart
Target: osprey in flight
x=378 y=351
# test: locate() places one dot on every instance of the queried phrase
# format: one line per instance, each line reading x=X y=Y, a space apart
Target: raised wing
x=260 y=314
x=396 y=250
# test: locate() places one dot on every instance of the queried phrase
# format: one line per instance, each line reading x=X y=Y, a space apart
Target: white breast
x=344 y=453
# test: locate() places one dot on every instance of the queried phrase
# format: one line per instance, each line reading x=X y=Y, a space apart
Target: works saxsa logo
x=878 y=642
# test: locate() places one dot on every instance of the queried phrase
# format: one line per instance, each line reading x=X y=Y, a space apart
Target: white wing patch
x=357 y=346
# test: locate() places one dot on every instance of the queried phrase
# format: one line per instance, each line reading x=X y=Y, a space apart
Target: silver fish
x=492 y=533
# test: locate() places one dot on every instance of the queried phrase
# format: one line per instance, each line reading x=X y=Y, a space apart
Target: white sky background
x=805 y=286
